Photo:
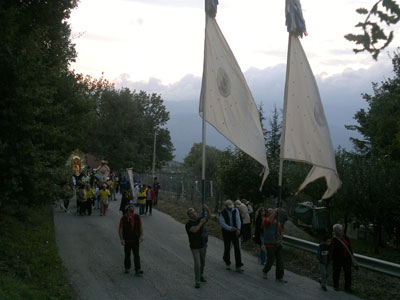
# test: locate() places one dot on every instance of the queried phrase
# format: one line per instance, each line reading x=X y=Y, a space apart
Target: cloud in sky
x=341 y=97
x=164 y=39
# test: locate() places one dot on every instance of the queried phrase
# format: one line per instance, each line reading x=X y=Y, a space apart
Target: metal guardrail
x=363 y=261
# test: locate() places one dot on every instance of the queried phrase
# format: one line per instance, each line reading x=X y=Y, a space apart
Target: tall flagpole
x=203 y=166
x=154 y=154
x=284 y=126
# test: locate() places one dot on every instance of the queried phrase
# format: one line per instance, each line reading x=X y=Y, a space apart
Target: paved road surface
x=91 y=251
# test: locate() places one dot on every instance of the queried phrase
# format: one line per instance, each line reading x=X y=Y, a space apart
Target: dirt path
x=91 y=251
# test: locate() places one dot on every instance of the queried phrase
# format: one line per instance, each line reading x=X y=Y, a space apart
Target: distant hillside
x=185 y=127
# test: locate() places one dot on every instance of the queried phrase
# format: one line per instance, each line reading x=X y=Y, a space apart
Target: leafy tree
x=273 y=136
x=373 y=38
x=239 y=175
x=380 y=123
x=42 y=108
x=374 y=167
x=194 y=160
x=124 y=126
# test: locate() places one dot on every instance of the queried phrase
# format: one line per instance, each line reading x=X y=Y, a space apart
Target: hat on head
x=229 y=203
x=238 y=202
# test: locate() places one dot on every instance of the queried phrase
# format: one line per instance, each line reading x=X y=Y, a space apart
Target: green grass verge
x=30 y=267
x=367 y=284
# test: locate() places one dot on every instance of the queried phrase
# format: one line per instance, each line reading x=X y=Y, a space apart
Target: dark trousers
x=337 y=267
x=149 y=204
x=272 y=254
x=246 y=232
x=231 y=237
x=134 y=247
x=66 y=203
x=89 y=205
x=156 y=200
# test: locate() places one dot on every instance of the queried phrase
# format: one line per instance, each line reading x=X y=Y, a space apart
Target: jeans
x=263 y=250
x=272 y=253
x=141 y=209
x=156 y=200
x=134 y=247
x=199 y=258
x=324 y=272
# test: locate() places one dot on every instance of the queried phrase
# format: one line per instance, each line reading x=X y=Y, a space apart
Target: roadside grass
x=384 y=253
x=30 y=267
x=367 y=284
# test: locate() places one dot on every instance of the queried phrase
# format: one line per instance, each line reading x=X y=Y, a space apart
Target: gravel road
x=90 y=249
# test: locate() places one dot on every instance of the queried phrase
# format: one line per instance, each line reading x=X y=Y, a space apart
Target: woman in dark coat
x=124 y=201
x=341 y=254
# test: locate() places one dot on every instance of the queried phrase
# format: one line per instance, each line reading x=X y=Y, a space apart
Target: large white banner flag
x=306 y=135
x=229 y=105
x=130 y=175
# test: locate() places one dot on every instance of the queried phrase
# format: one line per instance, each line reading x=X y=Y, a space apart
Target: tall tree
x=273 y=136
x=193 y=161
x=377 y=156
x=124 y=127
x=42 y=108
x=380 y=123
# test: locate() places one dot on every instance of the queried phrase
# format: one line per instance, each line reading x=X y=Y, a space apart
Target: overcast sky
x=164 y=39
x=158 y=46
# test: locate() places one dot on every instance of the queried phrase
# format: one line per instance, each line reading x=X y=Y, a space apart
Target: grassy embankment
x=367 y=284
x=30 y=267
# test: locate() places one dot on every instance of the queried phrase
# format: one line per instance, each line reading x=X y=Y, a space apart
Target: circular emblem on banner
x=224 y=83
x=319 y=114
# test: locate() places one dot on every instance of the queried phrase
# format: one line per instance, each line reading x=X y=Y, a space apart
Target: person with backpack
x=273 y=232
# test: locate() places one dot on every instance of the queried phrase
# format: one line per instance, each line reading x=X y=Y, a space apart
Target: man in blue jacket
x=229 y=219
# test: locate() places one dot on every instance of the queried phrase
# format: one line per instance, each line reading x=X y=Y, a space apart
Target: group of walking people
x=233 y=218
x=268 y=234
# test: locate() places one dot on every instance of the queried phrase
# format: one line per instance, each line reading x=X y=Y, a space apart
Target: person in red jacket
x=131 y=235
x=273 y=231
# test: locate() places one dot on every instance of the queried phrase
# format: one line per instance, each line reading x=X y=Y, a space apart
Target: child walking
x=323 y=258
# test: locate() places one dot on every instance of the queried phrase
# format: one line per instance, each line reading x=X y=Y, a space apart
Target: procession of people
x=236 y=221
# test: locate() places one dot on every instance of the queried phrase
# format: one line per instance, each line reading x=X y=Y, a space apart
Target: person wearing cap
x=245 y=218
x=230 y=223
x=131 y=235
x=198 y=239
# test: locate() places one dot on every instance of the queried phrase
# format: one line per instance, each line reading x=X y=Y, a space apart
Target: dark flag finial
x=294 y=18
x=211 y=8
